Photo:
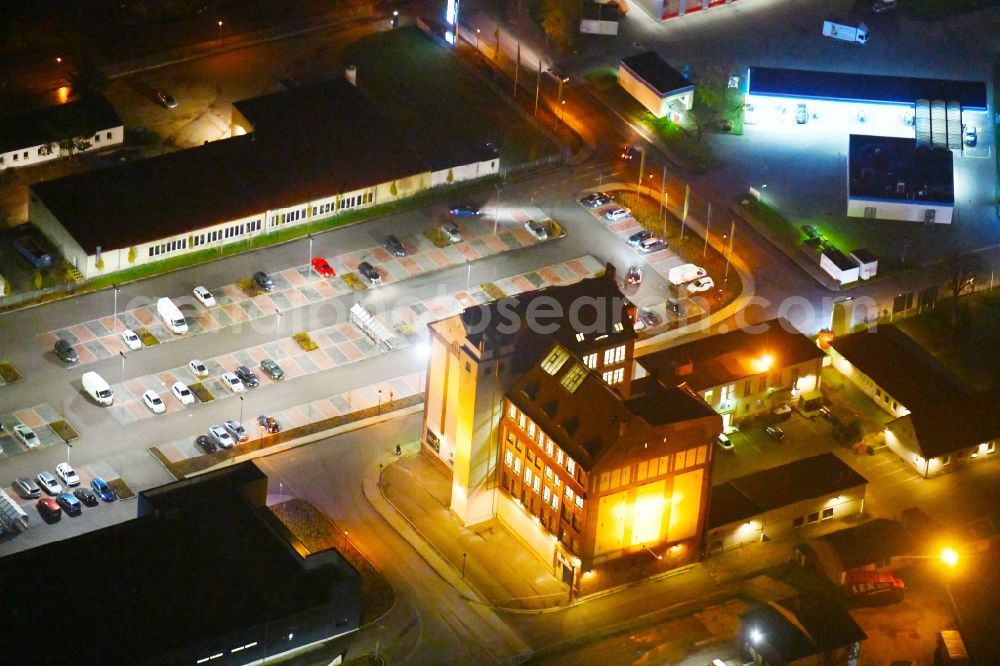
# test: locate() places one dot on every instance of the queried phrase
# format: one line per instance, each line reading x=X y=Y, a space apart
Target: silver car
x=221 y=437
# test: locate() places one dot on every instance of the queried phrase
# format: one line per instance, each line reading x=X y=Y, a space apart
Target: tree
x=451 y=176
x=962 y=271
x=38 y=279
x=555 y=17
x=131 y=255
x=88 y=79
x=100 y=262
x=393 y=190
x=714 y=102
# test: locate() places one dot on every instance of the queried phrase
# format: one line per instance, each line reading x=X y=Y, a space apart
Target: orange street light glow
x=949 y=556
x=763 y=363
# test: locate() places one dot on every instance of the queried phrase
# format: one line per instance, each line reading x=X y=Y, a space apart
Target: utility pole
x=729 y=255
x=708 y=222
x=684 y=214
x=538 y=86
x=663 y=196
x=517 y=69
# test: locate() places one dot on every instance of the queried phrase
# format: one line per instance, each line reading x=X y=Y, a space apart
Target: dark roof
x=587 y=422
x=660 y=405
x=80 y=118
x=331 y=141
x=864 y=255
x=882 y=354
x=863 y=87
x=839 y=259
x=203 y=562
x=975 y=597
x=895 y=169
x=592 y=306
x=870 y=542
x=655 y=71
x=957 y=422
x=780 y=486
x=601 y=11
x=801 y=627
x=724 y=358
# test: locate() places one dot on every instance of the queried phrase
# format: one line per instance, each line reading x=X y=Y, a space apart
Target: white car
x=48 y=483
x=451 y=232
x=154 y=402
x=69 y=476
x=204 y=296
x=198 y=368
x=221 y=437
x=27 y=435
x=536 y=230
x=700 y=285
x=131 y=340
x=182 y=393
x=616 y=214
x=232 y=382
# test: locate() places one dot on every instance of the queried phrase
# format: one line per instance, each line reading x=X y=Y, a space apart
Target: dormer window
x=579 y=337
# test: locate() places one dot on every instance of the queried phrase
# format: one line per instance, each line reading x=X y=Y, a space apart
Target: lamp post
x=114 y=316
x=463 y=565
x=496 y=211
x=309 y=267
x=241 y=410
x=220 y=32
x=122 y=354
x=378 y=410
x=69 y=447
x=477 y=39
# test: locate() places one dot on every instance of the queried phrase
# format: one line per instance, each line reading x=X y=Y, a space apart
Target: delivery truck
x=847 y=33
x=98 y=389
x=171 y=316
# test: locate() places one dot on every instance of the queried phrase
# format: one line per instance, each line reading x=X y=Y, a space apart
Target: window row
x=229 y=232
x=649 y=469
x=616 y=376
x=535 y=434
x=615 y=355
x=534 y=479
x=165 y=248
x=284 y=218
x=97 y=137
x=814 y=517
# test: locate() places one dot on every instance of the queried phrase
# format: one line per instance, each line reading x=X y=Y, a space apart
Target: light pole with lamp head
x=241 y=410
x=378 y=409
x=122 y=354
x=220 y=32
x=114 y=316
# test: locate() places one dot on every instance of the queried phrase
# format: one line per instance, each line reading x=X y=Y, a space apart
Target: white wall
x=465 y=172
x=30 y=155
x=907 y=211
x=841 y=276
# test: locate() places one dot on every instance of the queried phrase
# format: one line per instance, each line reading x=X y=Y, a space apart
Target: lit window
x=590 y=360
x=571 y=380
x=619 y=353
x=579 y=502
x=609 y=356
x=541 y=437
x=517 y=465
x=546 y=494
x=555 y=360
x=619 y=376
x=531 y=429
x=619 y=327
x=555 y=501
x=527 y=475
x=548 y=447
x=569 y=493
x=570 y=466
x=520 y=420
x=579 y=337
x=508 y=457
x=535 y=485
x=548 y=472
x=511 y=411
x=555 y=482
x=559 y=457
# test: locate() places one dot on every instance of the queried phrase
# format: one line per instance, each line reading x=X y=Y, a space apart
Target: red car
x=49 y=509
x=321 y=266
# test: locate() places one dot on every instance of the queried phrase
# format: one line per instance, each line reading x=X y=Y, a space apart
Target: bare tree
x=962 y=272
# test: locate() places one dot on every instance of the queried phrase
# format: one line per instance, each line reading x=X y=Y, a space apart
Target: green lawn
x=439 y=105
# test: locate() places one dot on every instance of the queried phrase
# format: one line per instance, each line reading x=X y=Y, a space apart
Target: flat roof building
x=656 y=85
x=205 y=573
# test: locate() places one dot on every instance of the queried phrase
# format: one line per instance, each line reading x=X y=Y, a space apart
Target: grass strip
x=67 y=432
x=305 y=341
x=9 y=372
x=201 y=392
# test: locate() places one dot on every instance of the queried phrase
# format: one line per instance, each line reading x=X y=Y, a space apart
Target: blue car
x=69 y=504
x=465 y=210
x=100 y=486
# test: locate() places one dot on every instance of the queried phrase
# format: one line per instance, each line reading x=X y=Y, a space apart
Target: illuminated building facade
x=476 y=356
x=589 y=476
x=745 y=372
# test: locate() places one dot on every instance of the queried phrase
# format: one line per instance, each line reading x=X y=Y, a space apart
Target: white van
x=98 y=389
x=171 y=316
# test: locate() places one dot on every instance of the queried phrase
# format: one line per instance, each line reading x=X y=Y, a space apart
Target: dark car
x=648 y=318
x=205 y=443
x=166 y=99
x=639 y=236
x=247 y=376
x=465 y=210
x=86 y=496
x=370 y=272
x=634 y=276
x=775 y=432
x=393 y=245
x=27 y=488
x=102 y=489
x=272 y=369
x=597 y=199
x=64 y=350
x=49 y=508
x=268 y=424
x=69 y=504
x=263 y=280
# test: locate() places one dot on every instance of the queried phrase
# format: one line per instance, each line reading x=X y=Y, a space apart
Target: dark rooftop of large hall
x=52 y=124
x=327 y=140
x=655 y=71
x=884 y=167
x=849 y=86
x=202 y=564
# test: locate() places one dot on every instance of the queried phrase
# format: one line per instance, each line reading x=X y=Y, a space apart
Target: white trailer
x=848 y=33
x=171 y=316
x=681 y=275
x=98 y=389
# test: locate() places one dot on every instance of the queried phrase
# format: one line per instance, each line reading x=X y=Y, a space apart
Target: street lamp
x=241 y=410
x=114 y=316
x=477 y=39
x=395 y=18
x=630 y=152
x=122 y=354
x=68 y=447
x=949 y=556
x=220 y=32
x=379 y=408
